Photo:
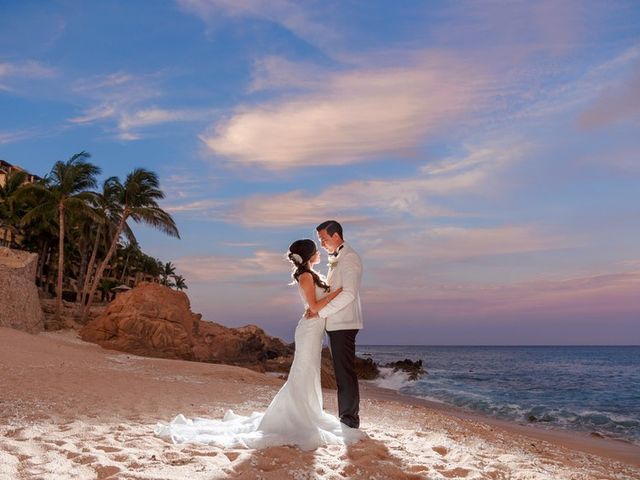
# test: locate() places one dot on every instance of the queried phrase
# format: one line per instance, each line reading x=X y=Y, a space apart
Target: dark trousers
x=343 y=353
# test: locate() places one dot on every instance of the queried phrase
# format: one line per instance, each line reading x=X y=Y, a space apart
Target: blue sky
x=483 y=156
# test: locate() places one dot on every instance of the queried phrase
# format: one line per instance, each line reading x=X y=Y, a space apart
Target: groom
x=344 y=317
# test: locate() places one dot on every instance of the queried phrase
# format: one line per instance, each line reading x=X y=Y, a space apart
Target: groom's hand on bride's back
x=310 y=313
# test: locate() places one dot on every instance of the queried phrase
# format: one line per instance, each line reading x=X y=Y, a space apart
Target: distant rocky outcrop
x=413 y=369
x=19 y=302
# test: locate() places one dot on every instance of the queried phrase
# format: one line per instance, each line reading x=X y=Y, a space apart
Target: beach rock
x=247 y=346
x=413 y=369
x=149 y=320
x=367 y=369
x=19 y=302
x=156 y=321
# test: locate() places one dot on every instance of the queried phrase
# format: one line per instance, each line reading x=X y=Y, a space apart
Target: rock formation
x=19 y=302
x=153 y=320
x=413 y=369
x=149 y=320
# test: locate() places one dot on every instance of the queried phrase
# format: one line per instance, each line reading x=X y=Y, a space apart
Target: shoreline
x=615 y=449
x=71 y=409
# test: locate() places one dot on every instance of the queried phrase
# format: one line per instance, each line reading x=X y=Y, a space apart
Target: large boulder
x=150 y=320
x=19 y=302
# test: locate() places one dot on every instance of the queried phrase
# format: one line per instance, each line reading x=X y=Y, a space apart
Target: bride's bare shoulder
x=305 y=277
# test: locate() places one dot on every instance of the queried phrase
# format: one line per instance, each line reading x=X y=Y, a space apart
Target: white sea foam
x=393 y=380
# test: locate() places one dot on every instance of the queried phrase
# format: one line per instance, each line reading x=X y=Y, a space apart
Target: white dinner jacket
x=344 y=312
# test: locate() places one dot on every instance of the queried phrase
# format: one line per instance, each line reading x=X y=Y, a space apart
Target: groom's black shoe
x=350 y=422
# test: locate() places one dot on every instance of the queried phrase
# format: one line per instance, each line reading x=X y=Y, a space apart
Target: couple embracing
x=295 y=415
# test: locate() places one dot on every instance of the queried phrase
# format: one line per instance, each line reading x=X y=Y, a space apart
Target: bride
x=295 y=415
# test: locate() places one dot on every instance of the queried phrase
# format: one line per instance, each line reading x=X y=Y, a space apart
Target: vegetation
x=83 y=236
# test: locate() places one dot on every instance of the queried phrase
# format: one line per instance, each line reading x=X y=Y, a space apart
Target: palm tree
x=129 y=253
x=168 y=270
x=10 y=211
x=137 y=199
x=180 y=283
x=105 y=208
x=64 y=189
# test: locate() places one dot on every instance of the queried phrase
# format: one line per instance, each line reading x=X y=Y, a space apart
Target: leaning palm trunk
x=84 y=258
x=103 y=265
x=60 y=263
x=87 y=278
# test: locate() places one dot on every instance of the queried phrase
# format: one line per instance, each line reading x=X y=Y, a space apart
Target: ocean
x=589 y=389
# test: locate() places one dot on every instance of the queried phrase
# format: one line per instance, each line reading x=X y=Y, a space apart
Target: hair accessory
x=296 y=258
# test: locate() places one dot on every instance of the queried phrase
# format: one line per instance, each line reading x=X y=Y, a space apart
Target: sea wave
x=591 y=389
x=393 y=380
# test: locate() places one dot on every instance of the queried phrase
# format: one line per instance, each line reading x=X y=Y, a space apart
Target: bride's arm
x=309 y=289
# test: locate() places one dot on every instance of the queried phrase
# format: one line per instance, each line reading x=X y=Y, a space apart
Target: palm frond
x=157 y=218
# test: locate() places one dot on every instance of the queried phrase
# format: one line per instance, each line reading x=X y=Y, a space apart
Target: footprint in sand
x=455 y=473
x=105 y=471
x=440 y=450
x=199 y=453
x=175 y=459
x=106 y=448
x=417 y=468
x=231 y=455
x=85 y=459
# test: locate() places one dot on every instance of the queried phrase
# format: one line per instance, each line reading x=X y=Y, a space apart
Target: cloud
x=94 y=114
x=273 y=73
x=354 y=116
x=447 y=244
x=26 y=69
x=17 y=136
x=156 y=116
x=581 y=91
x=570 y=299
x=196 y=206
x=224 y=269
x=615 y=103
x=187 y=183
x=476 y=172
x=119 y=99
x=287 y=14
x=518 y=28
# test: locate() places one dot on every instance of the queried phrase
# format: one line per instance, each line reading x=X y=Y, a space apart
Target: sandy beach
x=70 y=409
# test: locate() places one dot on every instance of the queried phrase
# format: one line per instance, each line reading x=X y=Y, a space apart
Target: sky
x=482 y=156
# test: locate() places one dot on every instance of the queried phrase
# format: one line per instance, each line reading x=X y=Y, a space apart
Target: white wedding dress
x=294 y=417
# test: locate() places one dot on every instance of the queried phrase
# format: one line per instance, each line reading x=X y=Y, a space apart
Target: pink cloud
x=223 y=269
x=611 y=295
x=354 y=116
x=616 y=103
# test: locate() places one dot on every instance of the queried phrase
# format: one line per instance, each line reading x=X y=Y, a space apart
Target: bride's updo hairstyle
x=299 y=254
